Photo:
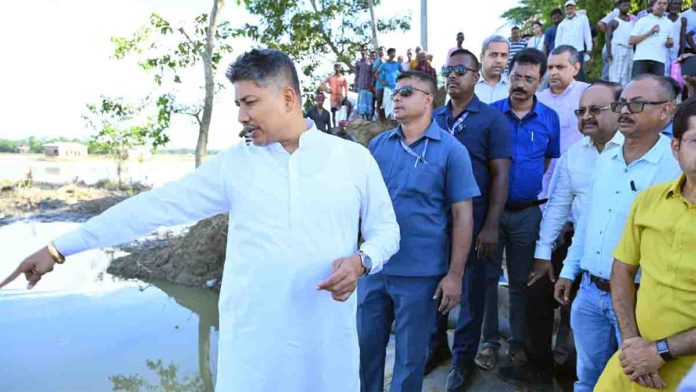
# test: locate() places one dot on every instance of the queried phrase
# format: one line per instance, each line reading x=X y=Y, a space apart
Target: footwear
x=487 y=358
x=434 y=359
x=459 y=378
x=526 y=373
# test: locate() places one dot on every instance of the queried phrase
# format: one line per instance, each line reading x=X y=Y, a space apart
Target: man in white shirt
x=287 y=316
x=652 y=37
x=567 y=195
x=574 y=30
x=492 y=84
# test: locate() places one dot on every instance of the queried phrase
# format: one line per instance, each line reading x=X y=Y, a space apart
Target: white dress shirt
x=575 y=32
x=569 y=189
x=291 y=216
x=489 y=94
x=613 y=190
x=652 y=48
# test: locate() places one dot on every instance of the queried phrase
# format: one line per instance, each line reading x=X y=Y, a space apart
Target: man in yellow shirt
x=659 y=326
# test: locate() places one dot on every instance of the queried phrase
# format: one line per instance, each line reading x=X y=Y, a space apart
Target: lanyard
x=458 y=125
x=414 y=154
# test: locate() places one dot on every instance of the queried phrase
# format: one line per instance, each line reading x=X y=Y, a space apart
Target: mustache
x=626 y=119
x=589 y=122
x=518 y=90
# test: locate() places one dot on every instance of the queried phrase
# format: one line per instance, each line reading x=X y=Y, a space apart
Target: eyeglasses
x=634 y=106
x=459 y=70
x=594 y=110
x=528 y=80
x=407 y=91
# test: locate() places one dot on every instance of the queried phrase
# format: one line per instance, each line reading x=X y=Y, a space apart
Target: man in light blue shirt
x=644 y=160
x=492 y=84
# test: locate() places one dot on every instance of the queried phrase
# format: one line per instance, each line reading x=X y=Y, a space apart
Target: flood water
x=81 y=329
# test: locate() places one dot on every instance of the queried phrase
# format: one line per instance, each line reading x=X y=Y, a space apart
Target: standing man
x=320 y=116
x=658 y=327
x=460 y=41
x=387 y=74
x=485 y=134
x=687 y=23
x=516 y=44
x=535 y=134
x=429 y=177
x=652 y=36
x=379 y=88
x=550 y=34
x=644 y=160
x=563 y=96
x=570 y=186
x=492 y=84
x=406 y=65
x=574 y=30
x=365 y=84
x=619 y=51
x=287 y=316
x=337 y=86
x=423 y=65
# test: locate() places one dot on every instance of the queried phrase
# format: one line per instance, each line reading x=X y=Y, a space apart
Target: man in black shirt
x=321 y=117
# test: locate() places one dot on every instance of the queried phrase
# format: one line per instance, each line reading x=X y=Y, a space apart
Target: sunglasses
x=459 y=70
x=634 y=106
x=594 y=110
x=407 y=91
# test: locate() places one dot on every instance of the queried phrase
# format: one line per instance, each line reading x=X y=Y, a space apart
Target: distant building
x=62 y=149
x=23 y=149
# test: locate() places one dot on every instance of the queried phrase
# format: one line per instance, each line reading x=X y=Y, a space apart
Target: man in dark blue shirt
x=485 y=134
x=429 y=177
x=320 y=116
x=535 y=134
x=550 y=34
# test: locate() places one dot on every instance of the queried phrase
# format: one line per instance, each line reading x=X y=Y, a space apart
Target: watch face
x=367 y=262
x=662 y=346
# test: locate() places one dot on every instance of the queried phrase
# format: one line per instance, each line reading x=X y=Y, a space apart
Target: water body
x=82 y=329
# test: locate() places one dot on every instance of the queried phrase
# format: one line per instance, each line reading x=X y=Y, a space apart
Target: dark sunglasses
x=634 y=106
x=459 y=70
x=594 y=110
x=407 y=91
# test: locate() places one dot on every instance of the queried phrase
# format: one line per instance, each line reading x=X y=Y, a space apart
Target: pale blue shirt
x=489 y=94
x=612 y=193
x=291 y=216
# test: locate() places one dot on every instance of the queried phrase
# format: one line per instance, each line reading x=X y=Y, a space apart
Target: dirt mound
x=364 y=131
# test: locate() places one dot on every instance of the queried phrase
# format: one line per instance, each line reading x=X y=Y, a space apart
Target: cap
x=570 y=2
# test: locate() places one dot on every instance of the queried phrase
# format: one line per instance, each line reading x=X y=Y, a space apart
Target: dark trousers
x=541 y=308
x=580 y=77
x=647 y=66
x=408 y=302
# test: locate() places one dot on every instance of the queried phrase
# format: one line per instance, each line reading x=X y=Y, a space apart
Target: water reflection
x=81 y=328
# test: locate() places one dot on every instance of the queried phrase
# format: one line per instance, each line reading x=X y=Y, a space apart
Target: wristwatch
x=55 y=253
x=366 y=262
x=663 y=350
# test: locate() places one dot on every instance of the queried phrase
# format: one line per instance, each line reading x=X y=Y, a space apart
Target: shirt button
x=610 y=210
x=617 y=192
x=597 y=252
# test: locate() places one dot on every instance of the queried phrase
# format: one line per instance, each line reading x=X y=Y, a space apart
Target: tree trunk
x=371 y=5
x=202 y=145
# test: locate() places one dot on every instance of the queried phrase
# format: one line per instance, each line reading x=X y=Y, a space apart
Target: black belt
x=602 y=284
x=525 y=205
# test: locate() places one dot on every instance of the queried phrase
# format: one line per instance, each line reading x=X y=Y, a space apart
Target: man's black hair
x=685 y=111
x=390 y=50
x=530 y=56
x=466 y=52
x=422 y=76
x=556 y=11
x=264 y=66
x=515 y=28
x=617 y=88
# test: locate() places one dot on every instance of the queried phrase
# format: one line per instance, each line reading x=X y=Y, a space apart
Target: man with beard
x=428 y=174
x=287 y=316
x=535 y=133
x=484 y=132
x=567 y=195
x=644 y=160
x=492 y=84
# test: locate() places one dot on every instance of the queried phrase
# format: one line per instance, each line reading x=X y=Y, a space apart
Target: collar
x=502 y=80
x=675 y=189
x=617 y=140
x=574 y=84
x=536 y=109
x=309 y=136
x=653 y=156
x=433 y=132
x=474 y=106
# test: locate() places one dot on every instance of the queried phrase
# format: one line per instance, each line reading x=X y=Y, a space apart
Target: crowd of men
x=582 y=194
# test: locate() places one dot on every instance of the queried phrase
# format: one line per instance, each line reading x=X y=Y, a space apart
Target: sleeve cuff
x=543 y=252
x=569 y=272
x=70 y=243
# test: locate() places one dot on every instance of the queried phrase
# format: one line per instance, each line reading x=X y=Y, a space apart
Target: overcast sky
x=56 y=57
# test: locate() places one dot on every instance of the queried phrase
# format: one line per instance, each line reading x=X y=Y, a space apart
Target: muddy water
x=81 y=329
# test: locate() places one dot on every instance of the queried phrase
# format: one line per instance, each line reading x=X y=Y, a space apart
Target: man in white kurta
x=292 y=215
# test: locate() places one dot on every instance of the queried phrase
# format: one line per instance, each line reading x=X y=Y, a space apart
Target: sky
x=57 y=58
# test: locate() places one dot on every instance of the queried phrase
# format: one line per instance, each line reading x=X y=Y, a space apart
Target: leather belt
x=524 y=205
x=601 y=284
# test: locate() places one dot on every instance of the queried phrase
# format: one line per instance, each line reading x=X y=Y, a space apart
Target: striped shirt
x=515 y=46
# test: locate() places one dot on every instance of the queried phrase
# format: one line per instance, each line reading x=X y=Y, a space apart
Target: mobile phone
x=688 y=66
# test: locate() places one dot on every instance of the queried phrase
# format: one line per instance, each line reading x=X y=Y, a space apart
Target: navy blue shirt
x=486 y=136
x=550 y=37
x=422 y=190
x=534 y=137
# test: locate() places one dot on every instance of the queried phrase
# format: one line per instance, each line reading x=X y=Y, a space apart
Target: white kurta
x=291 y=216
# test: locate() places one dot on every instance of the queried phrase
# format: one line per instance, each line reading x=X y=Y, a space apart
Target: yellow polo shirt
x=660 y=237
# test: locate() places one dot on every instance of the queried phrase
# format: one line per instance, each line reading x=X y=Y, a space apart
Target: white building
x=62 y=149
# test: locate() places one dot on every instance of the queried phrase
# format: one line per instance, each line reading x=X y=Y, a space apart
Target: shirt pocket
x=425 y=180
x=537 y=143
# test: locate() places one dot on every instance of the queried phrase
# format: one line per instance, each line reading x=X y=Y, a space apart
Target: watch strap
x=663 y=349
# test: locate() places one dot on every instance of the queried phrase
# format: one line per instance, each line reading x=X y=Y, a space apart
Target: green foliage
x=168 y=380
x=35 y=144
x=316 y=31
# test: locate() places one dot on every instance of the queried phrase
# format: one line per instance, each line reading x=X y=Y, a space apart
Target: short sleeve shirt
x=652 y=48
x=550 y=37
x=422 y=189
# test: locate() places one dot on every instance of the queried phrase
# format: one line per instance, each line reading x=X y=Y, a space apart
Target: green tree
x=121 y=126
x=166 y=50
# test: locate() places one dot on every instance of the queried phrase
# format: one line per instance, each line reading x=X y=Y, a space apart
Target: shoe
x=459 y=378
x=434 y=359
x=526 y=373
